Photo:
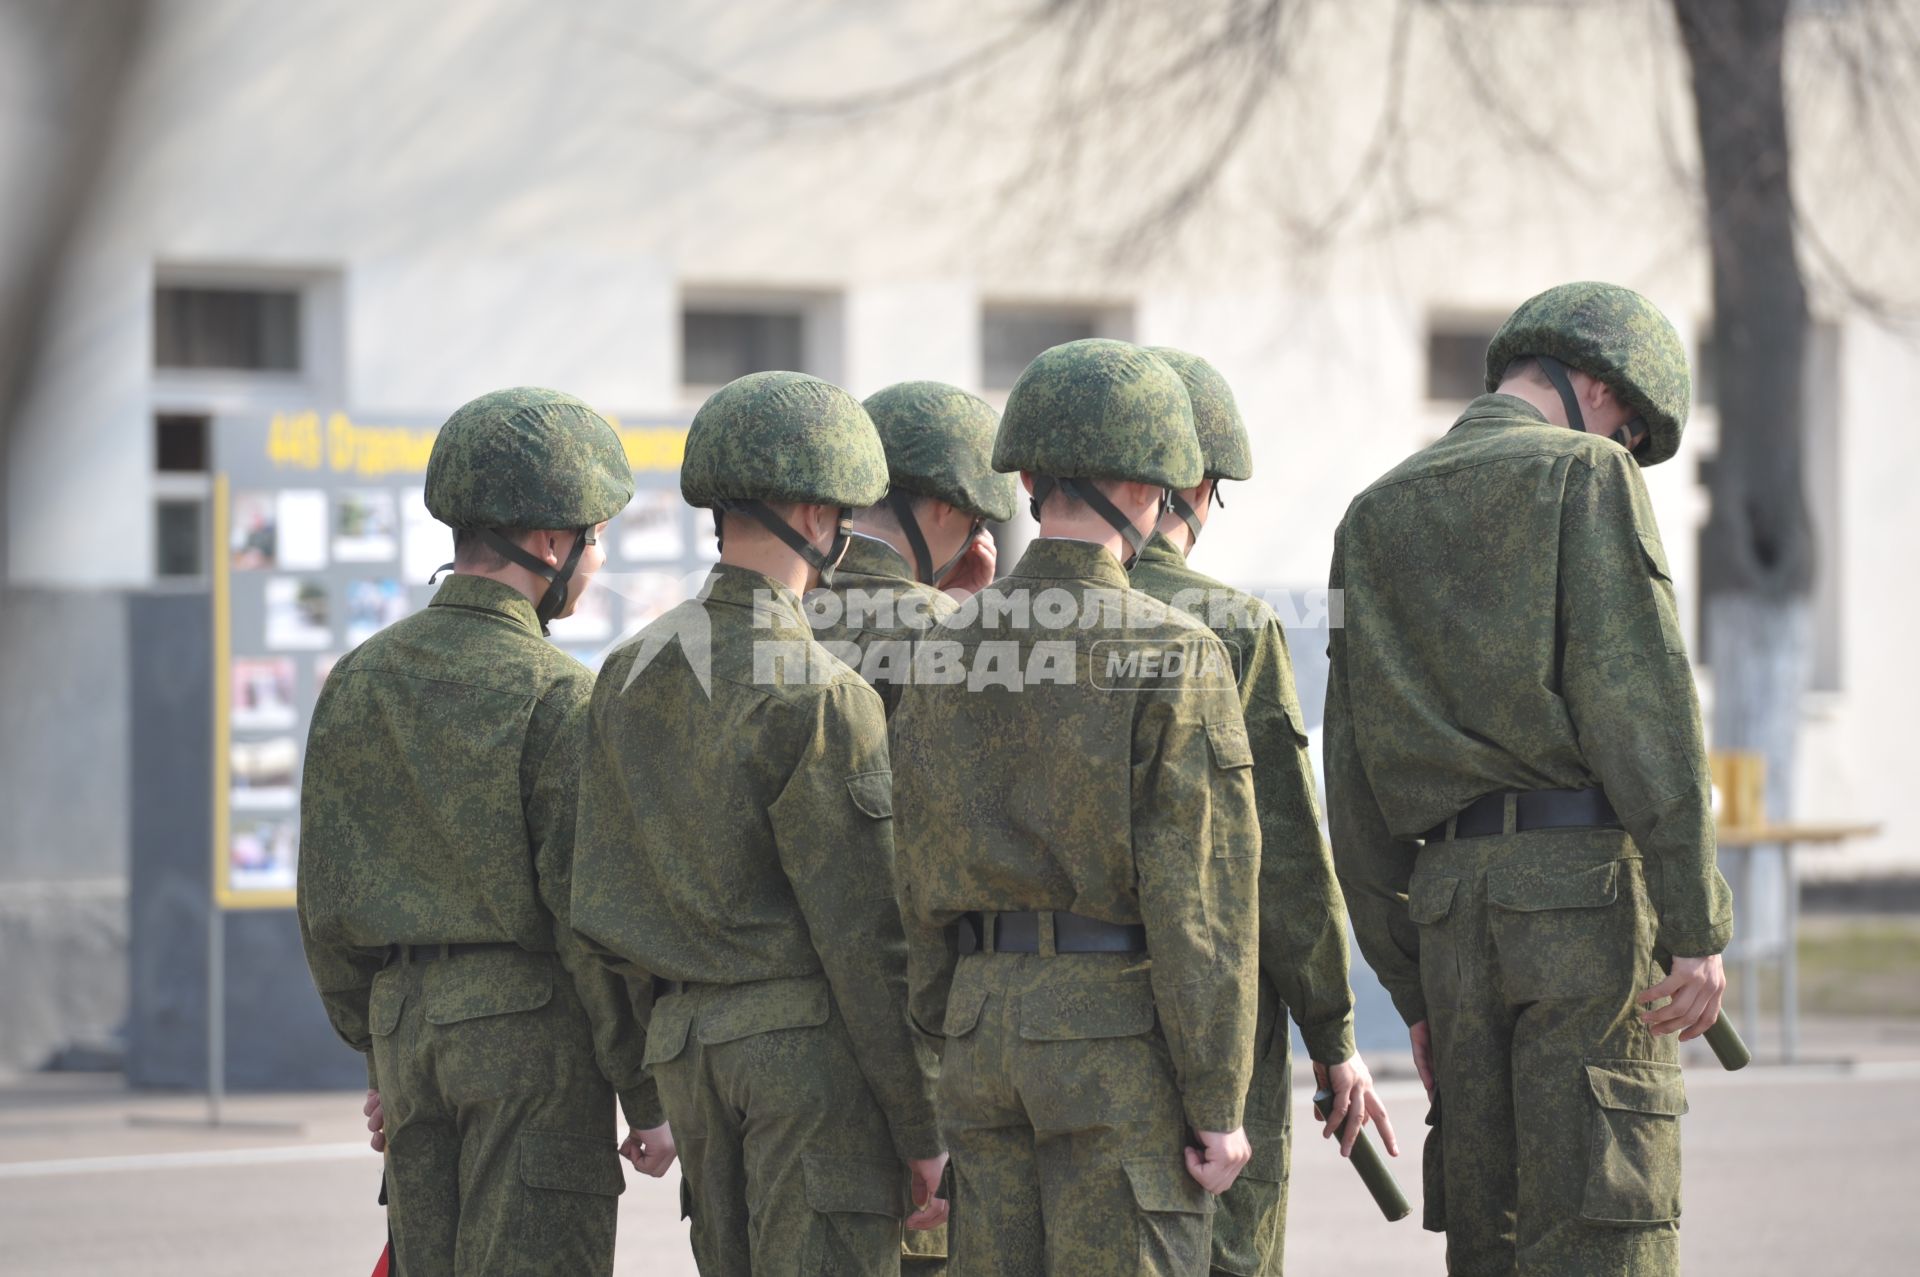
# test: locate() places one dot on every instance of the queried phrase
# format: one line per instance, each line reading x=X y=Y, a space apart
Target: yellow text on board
x=298 y=441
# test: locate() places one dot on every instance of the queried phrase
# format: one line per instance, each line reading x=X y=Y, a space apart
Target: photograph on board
x=372 y=606
x=299 y=613
x=365 y=526
x=254 y=531
x=263 y=854
x=263 y=695
x=263 y=772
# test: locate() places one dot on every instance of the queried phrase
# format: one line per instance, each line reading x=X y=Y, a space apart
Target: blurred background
x=252 y=252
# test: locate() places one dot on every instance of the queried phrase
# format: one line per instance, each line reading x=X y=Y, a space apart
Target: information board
x=322 y=538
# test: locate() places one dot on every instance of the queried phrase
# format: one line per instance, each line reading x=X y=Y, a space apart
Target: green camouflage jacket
x=1303 y=919
x=1510 y=625
x=437 y=806
x=1056 y=776
x=742 y=831
x=881 y=611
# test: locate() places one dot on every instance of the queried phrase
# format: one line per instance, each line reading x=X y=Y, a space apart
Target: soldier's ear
x=1026 y=481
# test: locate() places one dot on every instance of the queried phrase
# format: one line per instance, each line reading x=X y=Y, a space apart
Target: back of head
x=939 y=443
x=1614 y=335
x=783 y=437
x=1224 y=449
x=1100 y=409
x=527 y=458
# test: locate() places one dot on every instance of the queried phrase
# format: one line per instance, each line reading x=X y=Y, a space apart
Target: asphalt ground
x=1809 y=1168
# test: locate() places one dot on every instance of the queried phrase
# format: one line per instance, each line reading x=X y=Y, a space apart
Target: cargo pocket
x=872 y=793
x=1233 y=755
x=1174 y=1216
x=1633 y=1171
x=385 y=1000
x=857 y=1205
x=500 y=982
x=1429 y=904
x=1557 y=931
x=1661 y=582
x=1088 y=1051
x=1433 y=1174
x=569 y=1199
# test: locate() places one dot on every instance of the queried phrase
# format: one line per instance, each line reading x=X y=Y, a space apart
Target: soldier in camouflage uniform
x=1303 y=919
x=1079 y=857
x=1519 y=798
x=890 y=588
x=943 y=491
x=736 y=843
x=437 y=815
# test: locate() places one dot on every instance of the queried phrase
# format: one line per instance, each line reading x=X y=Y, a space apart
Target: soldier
x=1519 y=796
x=1303 y=920
x=1079 y=856
x=909 y=558
x=736 y=842
x=437 y=817
x=912 y=557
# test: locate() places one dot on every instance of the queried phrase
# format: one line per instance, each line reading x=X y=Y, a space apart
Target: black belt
x=1532 y=809
x=428 y=952
x=1019 y=932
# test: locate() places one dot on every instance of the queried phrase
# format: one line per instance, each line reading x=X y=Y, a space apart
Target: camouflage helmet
x=782 y=436
x=1100 y=409
x=1612 y=334
x=527 y=458
x=939 y=443
x=1224 y=449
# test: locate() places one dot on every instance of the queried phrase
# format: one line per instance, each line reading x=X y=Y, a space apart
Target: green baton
x=1726 y=1044
x=1373 y=1172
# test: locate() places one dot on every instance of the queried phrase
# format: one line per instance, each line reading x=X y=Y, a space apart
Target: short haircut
x=1526 y=368
x=471 y=550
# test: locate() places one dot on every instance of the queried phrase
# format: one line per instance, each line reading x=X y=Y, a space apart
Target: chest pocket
x=1235 y=833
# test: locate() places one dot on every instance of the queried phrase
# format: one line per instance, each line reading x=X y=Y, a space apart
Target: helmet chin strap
x=1188 y=515
x=824 y=563
x=1089 y=492
x=901 y=504
x=1557 y=374
x=557 y=578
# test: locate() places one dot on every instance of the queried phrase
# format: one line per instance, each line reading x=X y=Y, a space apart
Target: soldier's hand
x=1219 y=1159
x=1354 y=1104
x=651 y=1151
x=974 y=572
x=1696 y=988
x=1422 y=1038
x=933 y=1208
x=376 y=1121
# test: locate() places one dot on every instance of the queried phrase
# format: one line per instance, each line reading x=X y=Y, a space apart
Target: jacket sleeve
x=833 y=825
x=342 y=973
x=617 y=1004
x=1630 y=694
x=1196 y=850
x=1303 y=917
x=1374 y=867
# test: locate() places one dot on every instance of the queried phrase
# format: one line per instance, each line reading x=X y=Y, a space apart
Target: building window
x=242 y=329
x=180 y=443
x=1457 y=359
x=180 y=537
x=720 y=343
x=1011 y=335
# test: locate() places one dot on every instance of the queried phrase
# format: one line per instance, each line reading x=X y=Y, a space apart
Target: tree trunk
x=1757 y=559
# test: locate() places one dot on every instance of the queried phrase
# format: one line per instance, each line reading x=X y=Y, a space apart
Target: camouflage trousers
x=501 y=1147
x=1250 y=1226
x=1058 y=1103
x=1555 y=1145
x=787 y=1164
